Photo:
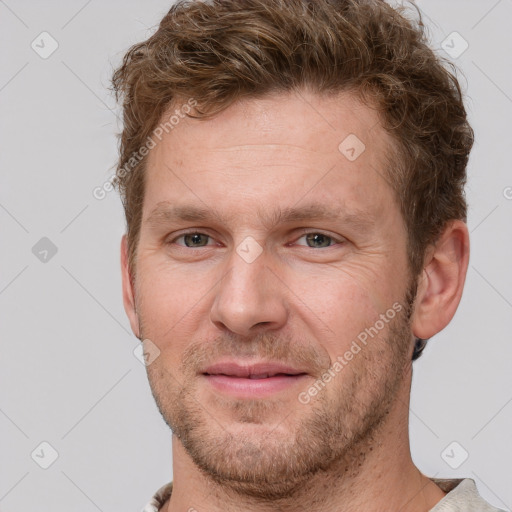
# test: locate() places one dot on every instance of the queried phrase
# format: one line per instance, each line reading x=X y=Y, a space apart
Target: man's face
x=245 y=284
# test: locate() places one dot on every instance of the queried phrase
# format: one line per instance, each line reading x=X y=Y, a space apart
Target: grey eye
x=195 y=239
x=318 y=240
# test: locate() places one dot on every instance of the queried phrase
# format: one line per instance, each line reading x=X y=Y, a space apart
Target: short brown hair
x=221 y=51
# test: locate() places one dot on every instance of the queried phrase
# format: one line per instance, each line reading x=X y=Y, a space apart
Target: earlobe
x=128 y=289
x=442 y=281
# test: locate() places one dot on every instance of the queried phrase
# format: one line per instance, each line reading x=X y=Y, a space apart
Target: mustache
x=285 y=349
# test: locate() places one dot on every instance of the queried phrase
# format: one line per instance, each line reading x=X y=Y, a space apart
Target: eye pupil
x=318 y=240
x=194 y=240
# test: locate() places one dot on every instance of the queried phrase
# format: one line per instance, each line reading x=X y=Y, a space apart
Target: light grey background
x=68 y=375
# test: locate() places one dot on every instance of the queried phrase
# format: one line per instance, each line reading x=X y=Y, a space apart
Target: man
x=292 y=174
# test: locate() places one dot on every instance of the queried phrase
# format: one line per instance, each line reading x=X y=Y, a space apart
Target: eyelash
x=304 y=233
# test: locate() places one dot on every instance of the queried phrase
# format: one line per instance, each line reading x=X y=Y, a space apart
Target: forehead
x=278 y=150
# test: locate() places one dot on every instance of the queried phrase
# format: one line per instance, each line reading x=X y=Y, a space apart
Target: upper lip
x=235 y=369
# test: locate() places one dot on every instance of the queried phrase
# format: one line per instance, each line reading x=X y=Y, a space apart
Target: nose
x=250 y=298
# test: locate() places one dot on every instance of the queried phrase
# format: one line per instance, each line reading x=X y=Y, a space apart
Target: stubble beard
x=331 y=435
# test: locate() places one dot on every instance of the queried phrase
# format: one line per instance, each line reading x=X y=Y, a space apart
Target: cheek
x=339 y=304
x=172 y=301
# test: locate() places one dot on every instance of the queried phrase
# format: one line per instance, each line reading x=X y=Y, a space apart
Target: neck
x=376 y=475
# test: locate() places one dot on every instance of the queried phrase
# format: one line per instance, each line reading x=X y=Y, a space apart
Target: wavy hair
x=221 y=51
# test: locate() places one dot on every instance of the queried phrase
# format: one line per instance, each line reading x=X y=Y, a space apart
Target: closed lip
x=254 y=370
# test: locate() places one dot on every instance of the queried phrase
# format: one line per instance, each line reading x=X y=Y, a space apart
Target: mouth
x=260 y=376
x=252 y=381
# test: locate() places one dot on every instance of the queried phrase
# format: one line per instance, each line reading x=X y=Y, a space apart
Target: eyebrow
x=167 y=213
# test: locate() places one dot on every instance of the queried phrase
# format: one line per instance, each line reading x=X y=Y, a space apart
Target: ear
x=442 y=281
x=128 y=289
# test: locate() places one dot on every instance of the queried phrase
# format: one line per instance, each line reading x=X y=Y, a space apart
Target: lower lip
x=254 y=388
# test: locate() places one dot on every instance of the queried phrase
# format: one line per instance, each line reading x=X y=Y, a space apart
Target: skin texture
x=302 y=301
